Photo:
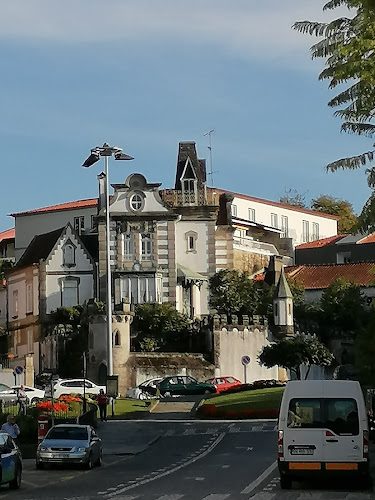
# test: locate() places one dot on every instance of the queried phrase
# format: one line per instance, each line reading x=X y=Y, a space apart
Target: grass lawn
x=129 y=407
x=258 y=399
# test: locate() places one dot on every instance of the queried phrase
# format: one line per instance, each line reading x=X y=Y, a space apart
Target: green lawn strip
x=259 y=399
x=127 y=407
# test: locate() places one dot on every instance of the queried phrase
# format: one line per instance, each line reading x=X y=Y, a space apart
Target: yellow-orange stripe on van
x=305 y=466
x=341 y=466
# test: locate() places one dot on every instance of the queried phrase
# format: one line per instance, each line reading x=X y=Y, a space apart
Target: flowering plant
x=69 y=398
x=57 y=407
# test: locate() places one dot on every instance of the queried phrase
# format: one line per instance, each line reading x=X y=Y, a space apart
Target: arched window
x=117 y=338
x=69 y=255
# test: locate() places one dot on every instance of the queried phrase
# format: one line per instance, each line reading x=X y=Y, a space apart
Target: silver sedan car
x=70 y=444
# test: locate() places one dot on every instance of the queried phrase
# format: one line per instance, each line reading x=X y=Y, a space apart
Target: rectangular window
x=315 y=231
x=139 y=289
x=340 y=415
x=93 y=221
x=274 y=220
x=69 y=293
x=79 y=224
x=305 y=231
x=128 y=249
x=234 y=210
x=30 y=341
x=146 y=246
x=284 y=226
x=191 y=243
x=15 y=303
x=29 y=298
x=252 y=214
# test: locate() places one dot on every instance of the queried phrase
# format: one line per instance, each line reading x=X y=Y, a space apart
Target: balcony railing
x=177 y=198
x=249 y=245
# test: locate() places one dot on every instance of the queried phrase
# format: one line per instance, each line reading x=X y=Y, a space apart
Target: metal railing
x=248 y=244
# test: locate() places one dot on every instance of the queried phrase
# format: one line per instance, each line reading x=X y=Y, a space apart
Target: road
x=179 y=460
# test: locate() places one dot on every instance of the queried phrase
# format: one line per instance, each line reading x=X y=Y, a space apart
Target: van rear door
x=304 y=436
x=343 y=436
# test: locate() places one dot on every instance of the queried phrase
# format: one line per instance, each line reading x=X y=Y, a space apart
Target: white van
x=322 y=430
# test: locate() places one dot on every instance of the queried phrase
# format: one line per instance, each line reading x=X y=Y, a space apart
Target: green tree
x=365 y=351
x=348 y=45
x=291 y=353
x=158 y=325
x=343 y=313
x=334 y=206
x=233 y=292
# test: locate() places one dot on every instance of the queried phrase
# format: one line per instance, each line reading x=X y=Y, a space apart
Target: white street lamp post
x=95 y=155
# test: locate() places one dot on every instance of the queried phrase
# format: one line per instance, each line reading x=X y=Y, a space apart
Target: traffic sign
x=18 y=370
x=245 y=360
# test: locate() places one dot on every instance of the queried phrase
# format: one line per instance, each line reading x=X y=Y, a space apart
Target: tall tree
x=348 y=220
x=293 y=197
x=348 y=45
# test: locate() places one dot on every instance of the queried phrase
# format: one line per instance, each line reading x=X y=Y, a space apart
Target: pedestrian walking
x=22 y=401
x=10 y=427
x=102 y=403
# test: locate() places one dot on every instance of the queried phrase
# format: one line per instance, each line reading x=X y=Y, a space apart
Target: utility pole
x=209 y=147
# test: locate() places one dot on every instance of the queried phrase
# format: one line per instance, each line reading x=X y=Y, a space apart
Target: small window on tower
x=191 y=240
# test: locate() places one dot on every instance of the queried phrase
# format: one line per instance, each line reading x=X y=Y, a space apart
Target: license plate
x=302 y=451
x=60 y=455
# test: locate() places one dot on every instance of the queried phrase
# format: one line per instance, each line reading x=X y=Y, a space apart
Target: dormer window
x=69 y=258
x=136 y=202
x=189 y=184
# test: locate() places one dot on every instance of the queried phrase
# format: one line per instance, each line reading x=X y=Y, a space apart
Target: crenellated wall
x=233 y=340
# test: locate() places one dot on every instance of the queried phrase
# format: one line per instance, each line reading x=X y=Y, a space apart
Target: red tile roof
x=276 y=204
x=9 y=234
x=72 y=205
x=322 y=276
x=367 y=239
x=331 y=240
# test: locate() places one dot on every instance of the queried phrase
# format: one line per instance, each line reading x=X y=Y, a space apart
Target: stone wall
x=233 y=341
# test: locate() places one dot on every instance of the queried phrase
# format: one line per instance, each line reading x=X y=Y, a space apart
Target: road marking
x=313 y=496
x=216 y=496
x=169 y=497
x=259 y=479
x=263 y=496
x=171 y=471
x=29 y=483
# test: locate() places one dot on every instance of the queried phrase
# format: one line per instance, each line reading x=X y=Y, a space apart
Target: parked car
x=145 y=390
x=224 y=383
x=70 y=444
x=10 y=394
x=184 y=385
x=11 y=462
x=73 y=386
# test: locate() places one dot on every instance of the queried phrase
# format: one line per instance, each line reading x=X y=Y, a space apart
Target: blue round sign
x=245 y=360
x=18 y=370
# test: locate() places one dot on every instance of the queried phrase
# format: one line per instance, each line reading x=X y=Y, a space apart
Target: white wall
x=28 y=226
x=327 y=226
x=196 y=261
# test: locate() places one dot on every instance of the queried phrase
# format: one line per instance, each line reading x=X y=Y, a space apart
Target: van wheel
x=285 y=482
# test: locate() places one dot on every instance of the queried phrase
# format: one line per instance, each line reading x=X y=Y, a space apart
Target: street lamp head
x=122 y=156
x=93 y=158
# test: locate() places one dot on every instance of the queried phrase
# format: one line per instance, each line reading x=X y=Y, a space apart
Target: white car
x=33 y=395
x=74 y=386
x=145 y=390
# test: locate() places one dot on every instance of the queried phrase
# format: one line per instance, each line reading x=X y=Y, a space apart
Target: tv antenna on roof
x=209 y=147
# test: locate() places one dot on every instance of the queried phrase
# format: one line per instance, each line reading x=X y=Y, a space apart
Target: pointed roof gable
x=282 y=289
x=187 y=151
x=40 y=248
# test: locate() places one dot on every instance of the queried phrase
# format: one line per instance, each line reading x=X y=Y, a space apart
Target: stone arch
x=102 y=373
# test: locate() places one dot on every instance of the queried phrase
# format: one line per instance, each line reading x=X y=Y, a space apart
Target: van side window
x=340 y=415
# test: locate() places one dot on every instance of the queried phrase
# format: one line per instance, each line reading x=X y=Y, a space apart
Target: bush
x=28 y=425
x=258 y=384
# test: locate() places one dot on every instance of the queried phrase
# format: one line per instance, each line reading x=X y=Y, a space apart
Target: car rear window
x=68 y=433
x=340 y=415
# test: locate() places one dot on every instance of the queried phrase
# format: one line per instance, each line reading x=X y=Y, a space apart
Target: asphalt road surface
x=179 y=460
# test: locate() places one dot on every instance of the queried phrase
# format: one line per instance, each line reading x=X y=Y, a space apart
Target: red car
x=224 y=383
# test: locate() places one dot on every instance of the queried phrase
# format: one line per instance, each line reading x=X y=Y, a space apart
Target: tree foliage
x=335 y=206
x=365 y=351
x=292 y=197
x=233 y=292
x=158 y=325
x=348 y=45
x=292 y=352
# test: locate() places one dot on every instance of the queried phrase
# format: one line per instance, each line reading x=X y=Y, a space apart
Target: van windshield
x=340 y=415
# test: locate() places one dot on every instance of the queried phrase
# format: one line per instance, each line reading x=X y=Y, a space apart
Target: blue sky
x=146 y=74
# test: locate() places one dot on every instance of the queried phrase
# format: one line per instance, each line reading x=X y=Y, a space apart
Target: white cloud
x=242 y=28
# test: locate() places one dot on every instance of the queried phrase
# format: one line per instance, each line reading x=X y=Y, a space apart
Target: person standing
x=10 y=427
x=22 y=401
x=102 y=403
